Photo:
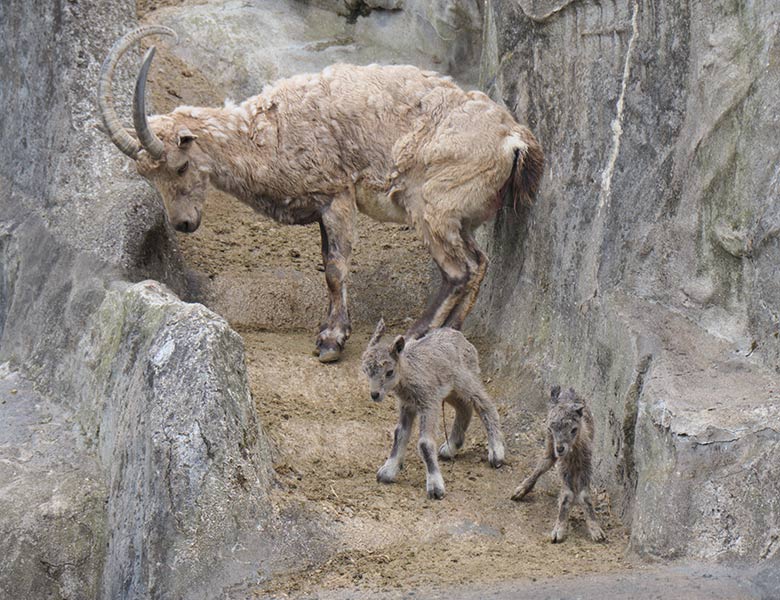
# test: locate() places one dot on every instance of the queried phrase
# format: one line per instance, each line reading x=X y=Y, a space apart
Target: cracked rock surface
x=647 y=273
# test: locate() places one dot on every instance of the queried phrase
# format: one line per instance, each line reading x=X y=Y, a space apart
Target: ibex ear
x=554 y=393
x=185 y=137
x=378 y=332
x=398 y=346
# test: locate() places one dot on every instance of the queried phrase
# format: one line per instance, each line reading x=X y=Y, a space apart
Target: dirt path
x=329 y=439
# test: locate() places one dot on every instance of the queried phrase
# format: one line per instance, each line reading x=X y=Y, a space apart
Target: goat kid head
x=165 y=151
x=380 y=363
x=564 y=419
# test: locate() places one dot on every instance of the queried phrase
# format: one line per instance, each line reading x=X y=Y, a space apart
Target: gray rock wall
x=299 y=37
x=149 y=470
x=653 y=247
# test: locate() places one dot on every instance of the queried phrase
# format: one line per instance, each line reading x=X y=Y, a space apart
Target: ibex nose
x=560 y=449
x=185 y=226
x=375 y=395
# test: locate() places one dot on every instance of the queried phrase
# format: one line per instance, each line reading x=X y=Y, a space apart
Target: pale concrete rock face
x=651 y=255
x=298 y=37
x=53 y=529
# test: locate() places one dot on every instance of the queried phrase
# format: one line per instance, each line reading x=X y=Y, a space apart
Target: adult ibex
x=397 y=143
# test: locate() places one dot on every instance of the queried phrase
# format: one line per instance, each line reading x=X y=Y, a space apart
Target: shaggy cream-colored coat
x=395 y=142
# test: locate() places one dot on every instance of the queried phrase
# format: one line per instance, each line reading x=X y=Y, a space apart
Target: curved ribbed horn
x=149 y=141
x=123 y=140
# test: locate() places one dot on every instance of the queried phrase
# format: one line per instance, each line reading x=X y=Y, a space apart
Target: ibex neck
x=224 y=137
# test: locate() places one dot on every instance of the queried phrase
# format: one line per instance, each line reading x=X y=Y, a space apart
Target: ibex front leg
x=337 y=228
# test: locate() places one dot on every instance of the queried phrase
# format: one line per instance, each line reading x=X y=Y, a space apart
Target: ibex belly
x=378 y=205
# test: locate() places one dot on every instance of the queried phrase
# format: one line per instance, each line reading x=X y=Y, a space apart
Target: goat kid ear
x=398 y=345
x=554 y=393
x=185 y=137
x=378 y=333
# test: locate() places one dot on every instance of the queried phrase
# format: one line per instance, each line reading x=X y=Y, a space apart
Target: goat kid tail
x=527 y=168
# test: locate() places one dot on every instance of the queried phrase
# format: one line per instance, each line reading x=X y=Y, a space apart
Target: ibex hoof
x=436 y=493
x=330 y=344
x=387 y=474
x=434 y=485
x=496 y=457
x=328 y=354
x=446 y=452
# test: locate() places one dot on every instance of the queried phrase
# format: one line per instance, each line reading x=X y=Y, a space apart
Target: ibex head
x=165 y=151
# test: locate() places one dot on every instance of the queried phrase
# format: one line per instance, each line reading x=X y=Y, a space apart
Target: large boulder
x=647 y=273
x=166 y=399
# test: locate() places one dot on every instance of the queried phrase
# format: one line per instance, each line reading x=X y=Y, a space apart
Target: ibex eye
x=574 y=431
x=389 y=373
x=181 y=170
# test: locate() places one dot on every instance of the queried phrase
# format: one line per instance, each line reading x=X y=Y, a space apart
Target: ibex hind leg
x=434 y=482
x=478 y=264
x=449 y=253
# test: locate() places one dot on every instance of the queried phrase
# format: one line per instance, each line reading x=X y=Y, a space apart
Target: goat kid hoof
x=435 y=493
x=558 y=535
x=596 y=533
x=496 y=458
x=446 y=452
x=385 y=475
x=435 y=488
x=520 y=493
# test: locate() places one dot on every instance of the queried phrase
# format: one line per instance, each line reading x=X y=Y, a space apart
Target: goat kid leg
x=545 y=464
x=403 y=431
x=489 y=416
x=594 y=529
x=450 y=447
x=337 y=228
x=434 y=482
x=564 y=506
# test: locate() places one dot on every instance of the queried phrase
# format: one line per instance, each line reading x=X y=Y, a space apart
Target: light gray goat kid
x=569 y=442
x=440 y=367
